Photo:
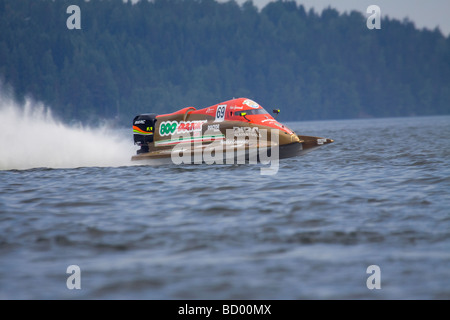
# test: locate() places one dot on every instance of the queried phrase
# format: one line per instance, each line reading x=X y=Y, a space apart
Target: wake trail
x=30 y=137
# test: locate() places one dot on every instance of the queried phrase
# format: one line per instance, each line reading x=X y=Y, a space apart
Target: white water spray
x=30 y=137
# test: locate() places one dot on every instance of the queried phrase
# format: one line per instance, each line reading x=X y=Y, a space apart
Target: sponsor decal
x=190 y=126
x=251 y=103
x=246 y=131
x=139 y=122
x=268 y=120
x=210 y=110
x=214 y=127
x=137 y=130
x=168 y=127
x=171 y=127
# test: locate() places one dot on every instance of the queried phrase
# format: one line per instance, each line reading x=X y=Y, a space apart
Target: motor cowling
x=143 y=129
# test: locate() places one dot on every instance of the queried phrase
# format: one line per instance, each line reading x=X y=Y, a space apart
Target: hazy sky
x=424 y=13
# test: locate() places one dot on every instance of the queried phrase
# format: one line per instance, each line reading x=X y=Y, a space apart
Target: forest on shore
x=162 y=55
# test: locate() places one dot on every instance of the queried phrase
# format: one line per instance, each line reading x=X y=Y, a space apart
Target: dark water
x=378 y=196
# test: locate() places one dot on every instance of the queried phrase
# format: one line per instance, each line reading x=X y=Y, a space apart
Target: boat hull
x=235 y=154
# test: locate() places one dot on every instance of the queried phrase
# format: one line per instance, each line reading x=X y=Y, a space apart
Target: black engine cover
x=143 y=128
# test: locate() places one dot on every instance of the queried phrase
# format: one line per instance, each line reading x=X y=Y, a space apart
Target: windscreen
x=252 y=111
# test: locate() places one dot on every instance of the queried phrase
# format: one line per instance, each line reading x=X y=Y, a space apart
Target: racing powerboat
x=220 y=131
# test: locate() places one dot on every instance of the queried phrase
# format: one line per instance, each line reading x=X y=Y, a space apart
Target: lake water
x=378 y=196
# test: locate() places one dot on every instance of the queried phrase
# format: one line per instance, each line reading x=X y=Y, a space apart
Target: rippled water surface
x=378 y=196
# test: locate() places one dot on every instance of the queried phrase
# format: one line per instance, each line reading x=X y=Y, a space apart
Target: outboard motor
x=143 y=130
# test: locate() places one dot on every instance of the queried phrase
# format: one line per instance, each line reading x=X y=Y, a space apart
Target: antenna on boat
x=244 y=115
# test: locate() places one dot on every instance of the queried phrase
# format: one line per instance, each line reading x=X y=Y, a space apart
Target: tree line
x=158 y=56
